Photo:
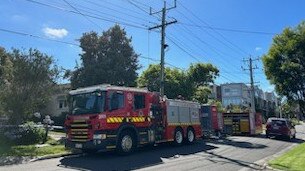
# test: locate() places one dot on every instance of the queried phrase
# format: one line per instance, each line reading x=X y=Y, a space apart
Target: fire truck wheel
x=190 y=136
x=178 y=137
x=126 y=143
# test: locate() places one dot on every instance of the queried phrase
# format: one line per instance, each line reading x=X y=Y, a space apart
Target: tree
x=108 y=58
x=201 y=74
x=177 y=82
x=202 y=94
x=5 y=76
x=284 y=64
x=31 y=82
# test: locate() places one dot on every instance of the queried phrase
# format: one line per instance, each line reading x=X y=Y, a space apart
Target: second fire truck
x=107 y=117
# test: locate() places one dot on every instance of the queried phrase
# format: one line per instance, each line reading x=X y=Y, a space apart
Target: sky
x=221 y=32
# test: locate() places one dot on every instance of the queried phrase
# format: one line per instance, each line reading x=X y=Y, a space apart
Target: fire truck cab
x=107 y=117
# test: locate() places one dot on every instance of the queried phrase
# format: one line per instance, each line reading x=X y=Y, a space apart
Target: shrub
x=28 y=133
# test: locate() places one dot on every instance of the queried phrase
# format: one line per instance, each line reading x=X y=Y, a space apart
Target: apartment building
x=235 y=94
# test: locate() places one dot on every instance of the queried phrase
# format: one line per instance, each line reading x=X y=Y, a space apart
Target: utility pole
x=163 y=44
x=252 y=91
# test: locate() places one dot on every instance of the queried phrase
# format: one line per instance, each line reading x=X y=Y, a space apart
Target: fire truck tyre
x=190 y=136
x=126 y=143
x=178 y=137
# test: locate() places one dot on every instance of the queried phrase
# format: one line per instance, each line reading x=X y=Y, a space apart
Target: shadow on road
x=144 y=157
x=239 y=144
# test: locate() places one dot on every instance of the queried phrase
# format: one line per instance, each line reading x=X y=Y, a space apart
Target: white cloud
x=55 y=33
x=258 y=48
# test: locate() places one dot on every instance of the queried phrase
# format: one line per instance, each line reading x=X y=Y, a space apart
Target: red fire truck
x=107 y=117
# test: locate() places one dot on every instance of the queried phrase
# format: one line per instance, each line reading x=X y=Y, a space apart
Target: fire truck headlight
x=99 y=136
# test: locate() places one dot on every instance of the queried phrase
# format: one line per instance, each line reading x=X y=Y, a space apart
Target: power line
x=71 y=43
x=182 y=49
x=229 y=29
x=205 y=23
x=137 y=6
x=185 y=51
x=86 y=17
x=36 y=36
x=90 y=12
x=117 y=11
x=216 y=38
x=91 y=16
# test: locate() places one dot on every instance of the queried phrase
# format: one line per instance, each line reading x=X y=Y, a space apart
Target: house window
x=62 y=104
x=139 y=101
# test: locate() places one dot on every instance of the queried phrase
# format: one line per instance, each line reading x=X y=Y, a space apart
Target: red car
x=280 y=127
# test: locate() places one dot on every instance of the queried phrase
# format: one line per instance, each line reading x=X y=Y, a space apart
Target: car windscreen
x=88 y=103
x=278 y=122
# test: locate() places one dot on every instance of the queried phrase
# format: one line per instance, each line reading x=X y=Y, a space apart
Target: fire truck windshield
x=88 y=103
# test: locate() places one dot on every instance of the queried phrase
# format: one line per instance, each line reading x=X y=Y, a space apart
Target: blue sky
x=196 y=31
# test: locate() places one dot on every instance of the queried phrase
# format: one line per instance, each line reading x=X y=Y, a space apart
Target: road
x=233 y=153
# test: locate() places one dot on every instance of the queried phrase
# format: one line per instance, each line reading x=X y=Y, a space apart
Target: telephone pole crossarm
x=158 y=26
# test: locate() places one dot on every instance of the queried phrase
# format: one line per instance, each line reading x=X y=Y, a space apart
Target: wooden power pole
x=252 y=91
x=163 y=44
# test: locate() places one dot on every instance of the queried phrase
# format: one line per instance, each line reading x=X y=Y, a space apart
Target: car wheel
x=178 y=137
x=293 y=137
x=190 y=136
x=288 y=137
x=126 y=143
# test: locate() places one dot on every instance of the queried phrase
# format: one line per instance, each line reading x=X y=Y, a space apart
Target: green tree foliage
x=29 y=81
x=177 y=82
x=284 y=64
x=6 y=67
x=201 y=74
x=202 y=94
x=108 y=58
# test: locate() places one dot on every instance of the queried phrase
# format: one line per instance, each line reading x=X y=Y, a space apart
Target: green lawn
x=292 y=160
x=30 y=150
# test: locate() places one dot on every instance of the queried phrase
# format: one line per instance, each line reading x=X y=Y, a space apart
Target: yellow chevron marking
x=116 y=120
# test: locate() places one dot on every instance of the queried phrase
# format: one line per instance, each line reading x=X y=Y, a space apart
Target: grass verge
x=53 y=148
x=292 y=160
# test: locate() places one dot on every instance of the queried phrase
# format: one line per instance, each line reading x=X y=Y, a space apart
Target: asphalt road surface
x=233 y=153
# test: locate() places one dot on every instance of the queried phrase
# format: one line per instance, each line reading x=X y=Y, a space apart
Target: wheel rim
x=190 y=136
x=126 y=143
x=179 y=137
